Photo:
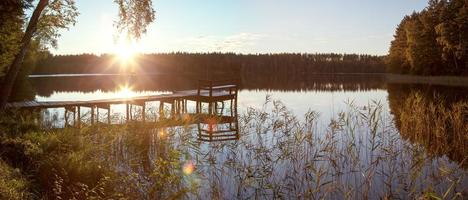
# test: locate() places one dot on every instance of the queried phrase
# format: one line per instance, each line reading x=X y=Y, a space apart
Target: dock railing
x=214 y=91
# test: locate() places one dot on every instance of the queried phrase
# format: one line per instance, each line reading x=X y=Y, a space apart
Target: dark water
x=367 y=137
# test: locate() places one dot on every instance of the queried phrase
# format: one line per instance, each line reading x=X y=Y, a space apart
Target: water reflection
x=218 y=128
x=46 y=86
x=435 y=117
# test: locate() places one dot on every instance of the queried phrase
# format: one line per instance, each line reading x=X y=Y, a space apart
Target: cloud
x=240 y=42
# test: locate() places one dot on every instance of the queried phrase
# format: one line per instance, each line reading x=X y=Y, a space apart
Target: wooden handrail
x=211 y=85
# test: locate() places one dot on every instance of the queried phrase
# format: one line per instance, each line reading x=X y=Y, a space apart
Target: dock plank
x=149 y=98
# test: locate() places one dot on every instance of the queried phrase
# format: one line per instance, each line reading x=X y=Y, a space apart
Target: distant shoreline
x=431 y=80
x=88 y=75
x=158 y=73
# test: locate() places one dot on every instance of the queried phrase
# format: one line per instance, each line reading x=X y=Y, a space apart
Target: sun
x=125 y=51
x=125 y=54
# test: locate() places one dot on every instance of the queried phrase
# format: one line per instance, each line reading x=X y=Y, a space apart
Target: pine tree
x=396 y=60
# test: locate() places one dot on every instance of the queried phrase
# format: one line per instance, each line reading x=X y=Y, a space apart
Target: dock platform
x=207 y=93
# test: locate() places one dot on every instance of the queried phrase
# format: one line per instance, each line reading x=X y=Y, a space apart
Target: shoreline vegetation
x=433 y=41
x=214 y=63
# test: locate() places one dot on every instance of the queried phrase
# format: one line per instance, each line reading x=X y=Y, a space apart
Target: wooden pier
x=208 y=92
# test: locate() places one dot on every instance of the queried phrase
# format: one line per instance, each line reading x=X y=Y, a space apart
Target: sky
x=246 y=26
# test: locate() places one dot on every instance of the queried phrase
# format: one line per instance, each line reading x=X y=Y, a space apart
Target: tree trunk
x=15 y=67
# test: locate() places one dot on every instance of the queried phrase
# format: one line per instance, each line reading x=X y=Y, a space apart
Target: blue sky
x=246 y=26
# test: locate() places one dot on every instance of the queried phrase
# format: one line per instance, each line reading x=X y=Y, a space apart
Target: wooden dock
x=178 y=95
x=207 y=92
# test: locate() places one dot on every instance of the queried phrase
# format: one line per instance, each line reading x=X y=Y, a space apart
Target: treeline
x=214 y=63
x=433 y=41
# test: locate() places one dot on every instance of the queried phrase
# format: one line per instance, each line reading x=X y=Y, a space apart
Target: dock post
x=74 y=116
x=161 y=109
x=173 y=104
x=97 y=115
x=79 y=117
x=210 y=108
x=143 y=107
x=127 y=112
x=92 y=115
x=230 y=108
x=179 y=106
x=235 y=106
x=130 y=111
x=108 y=115
x=66 y=117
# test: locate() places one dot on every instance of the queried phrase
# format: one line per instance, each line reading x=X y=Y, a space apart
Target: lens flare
x=188 y=168
x=161 y=134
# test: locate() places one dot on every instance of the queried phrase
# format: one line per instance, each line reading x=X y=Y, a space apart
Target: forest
x=215 y=63
x=433 y=41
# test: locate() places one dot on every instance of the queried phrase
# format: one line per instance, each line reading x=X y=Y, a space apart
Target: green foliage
x=453 y=34
x=59 y=14
x=433 y=41
x=134 y=17
x=11 y=23
x=13 y=185
x=396 y=60
x=11 y=26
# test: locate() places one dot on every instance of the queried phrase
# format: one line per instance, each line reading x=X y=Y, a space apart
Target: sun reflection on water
x=125 y=91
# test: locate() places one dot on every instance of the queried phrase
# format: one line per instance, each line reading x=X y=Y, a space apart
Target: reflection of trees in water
x=47 y=85
x=23 y=90
x=433 y=116
x=313 y=82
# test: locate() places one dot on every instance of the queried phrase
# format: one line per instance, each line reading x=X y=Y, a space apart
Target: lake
x=321 y=136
